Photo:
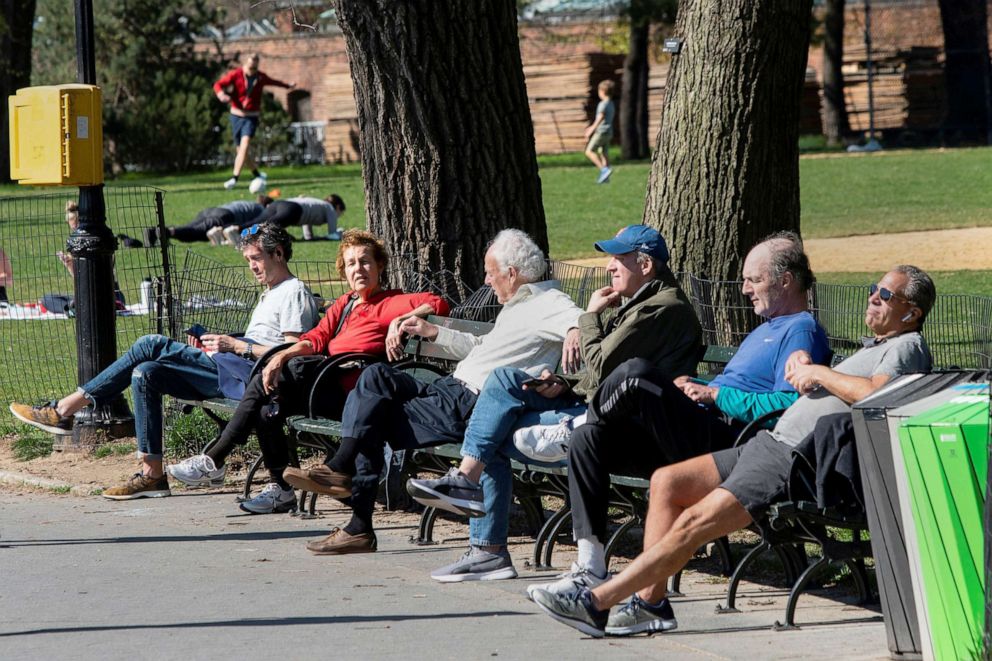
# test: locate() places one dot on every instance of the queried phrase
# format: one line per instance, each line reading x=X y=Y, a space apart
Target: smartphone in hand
x=532 y=383
x=196 y=330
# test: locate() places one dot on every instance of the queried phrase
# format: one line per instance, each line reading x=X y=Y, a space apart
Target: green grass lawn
x=842 y=195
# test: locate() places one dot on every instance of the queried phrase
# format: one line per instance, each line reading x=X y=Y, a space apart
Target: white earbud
x=906 y=317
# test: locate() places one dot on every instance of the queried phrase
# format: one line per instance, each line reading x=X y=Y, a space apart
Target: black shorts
x=757 y=473
x=243 y=126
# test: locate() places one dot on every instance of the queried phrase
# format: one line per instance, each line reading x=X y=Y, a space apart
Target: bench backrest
x=421 y=349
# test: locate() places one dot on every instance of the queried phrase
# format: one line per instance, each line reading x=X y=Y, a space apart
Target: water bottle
x=147 y=294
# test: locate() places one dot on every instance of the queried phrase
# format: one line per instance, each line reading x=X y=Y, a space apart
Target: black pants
x=281 y=212
x=637 y=422
x=196 y=230
x=390 y=406
x=266 y=413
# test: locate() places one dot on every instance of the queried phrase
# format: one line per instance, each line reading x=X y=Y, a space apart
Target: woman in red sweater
x=366 y=319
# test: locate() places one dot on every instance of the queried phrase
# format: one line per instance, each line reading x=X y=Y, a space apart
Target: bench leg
x=798 y=589
x=735 y=578
x=549 y=547
x=545 y=533
x=620 y=533
x=722 y=549
x=249 y=478
x=675 y=585
x=425 y=532
x=859 y=574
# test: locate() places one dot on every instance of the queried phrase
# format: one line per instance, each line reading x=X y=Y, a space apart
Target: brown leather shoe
x=320 y=479
x=339 y=543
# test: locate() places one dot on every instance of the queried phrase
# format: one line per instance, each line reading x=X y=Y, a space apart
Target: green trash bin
x=945 y=459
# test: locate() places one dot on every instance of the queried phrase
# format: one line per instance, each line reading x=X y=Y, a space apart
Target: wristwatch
x=248 y=354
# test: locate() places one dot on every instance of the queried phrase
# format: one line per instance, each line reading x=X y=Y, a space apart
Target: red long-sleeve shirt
x=243 y=99
x=366 y=326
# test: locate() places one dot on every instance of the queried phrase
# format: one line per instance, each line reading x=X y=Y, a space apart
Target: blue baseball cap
x=636 y=237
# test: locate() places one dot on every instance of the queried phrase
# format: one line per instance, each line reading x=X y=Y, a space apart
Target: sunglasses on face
x=253 y=230
x=886 y=294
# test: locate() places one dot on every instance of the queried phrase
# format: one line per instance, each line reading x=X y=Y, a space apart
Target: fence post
x=92 y=245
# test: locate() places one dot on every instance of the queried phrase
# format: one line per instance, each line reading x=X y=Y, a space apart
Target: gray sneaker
x=273 y=499
x=575 y=609
x=453 y=493
x=637 y=616
x=577 y=576
x=477 y=565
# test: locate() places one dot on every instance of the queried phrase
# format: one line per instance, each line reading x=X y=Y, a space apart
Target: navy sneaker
x=574 y=608
x=477 y=565
x=454 y=493
x=638 y=616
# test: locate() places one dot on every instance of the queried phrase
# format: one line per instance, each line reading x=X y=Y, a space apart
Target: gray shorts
x=757 y=473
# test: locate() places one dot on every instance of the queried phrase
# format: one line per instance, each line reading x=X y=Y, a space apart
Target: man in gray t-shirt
x=702 y=499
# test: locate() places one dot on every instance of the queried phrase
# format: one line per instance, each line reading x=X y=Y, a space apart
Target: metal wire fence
x=37 y=324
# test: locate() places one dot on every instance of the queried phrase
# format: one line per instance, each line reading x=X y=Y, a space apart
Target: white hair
x=514 y=248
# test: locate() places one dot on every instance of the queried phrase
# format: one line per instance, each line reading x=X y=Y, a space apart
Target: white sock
x=592 y=556
x=307 y=233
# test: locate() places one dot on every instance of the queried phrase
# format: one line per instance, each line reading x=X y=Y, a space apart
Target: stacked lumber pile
x=908 y=88
x=563 y=98
x=341 y=132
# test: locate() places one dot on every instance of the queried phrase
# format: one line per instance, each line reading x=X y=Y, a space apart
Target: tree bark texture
x=634 y=97
x=835 y=124
x=966 y=68
x=445 y=133
x=16 y=31
x=725 y=172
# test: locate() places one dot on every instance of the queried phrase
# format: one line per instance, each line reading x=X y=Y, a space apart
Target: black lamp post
x=92 y=245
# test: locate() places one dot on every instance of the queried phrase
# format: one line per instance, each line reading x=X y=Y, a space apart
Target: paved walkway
x=963 y=249
x=188 y=577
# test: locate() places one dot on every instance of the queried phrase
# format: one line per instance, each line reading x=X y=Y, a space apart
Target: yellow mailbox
x=56 y=135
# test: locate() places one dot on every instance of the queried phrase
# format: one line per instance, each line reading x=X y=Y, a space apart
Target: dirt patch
x=939 y=250
x=69 y=468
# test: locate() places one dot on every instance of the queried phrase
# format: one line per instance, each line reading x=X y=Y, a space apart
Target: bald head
x=777 y=276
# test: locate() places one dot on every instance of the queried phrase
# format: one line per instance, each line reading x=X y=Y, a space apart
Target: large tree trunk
x=966 y=68
x=446 y=137
x=835 y=124
x=16 y=31
x=634 y=99
x=725 y=171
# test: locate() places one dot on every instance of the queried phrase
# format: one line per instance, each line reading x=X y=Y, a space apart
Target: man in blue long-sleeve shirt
x=640 y=420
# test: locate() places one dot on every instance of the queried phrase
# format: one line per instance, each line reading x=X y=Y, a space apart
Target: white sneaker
x=272 y=499
x=215 y=235
x=257 y=184
x=230 y=183
x=545 y=442
x=232 y=234
x=335 y=235
x=198 y=471
x=604 y=176
x=567 y=582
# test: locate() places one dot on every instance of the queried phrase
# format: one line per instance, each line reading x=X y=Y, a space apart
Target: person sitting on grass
x=209 y=223
x=156 y=365
x=703 y=499
x=656 y=322
x=302 y=211
x=391 y=406
x=367 y=319
x=640 y=419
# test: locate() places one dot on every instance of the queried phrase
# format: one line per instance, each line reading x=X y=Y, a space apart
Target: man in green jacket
x=657 y=323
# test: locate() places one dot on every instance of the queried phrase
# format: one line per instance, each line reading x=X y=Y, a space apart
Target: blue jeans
x=504 y=406
x=154 y=366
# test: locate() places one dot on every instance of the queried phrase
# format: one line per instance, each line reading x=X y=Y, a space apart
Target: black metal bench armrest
x=328 y=369
x=266 y=357
x=756 y=425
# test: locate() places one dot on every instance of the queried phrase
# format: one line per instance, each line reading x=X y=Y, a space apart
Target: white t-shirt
x=286 y=308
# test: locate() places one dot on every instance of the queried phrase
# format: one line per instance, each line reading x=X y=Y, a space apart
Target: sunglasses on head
x=253 y=230
x=886 y=294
